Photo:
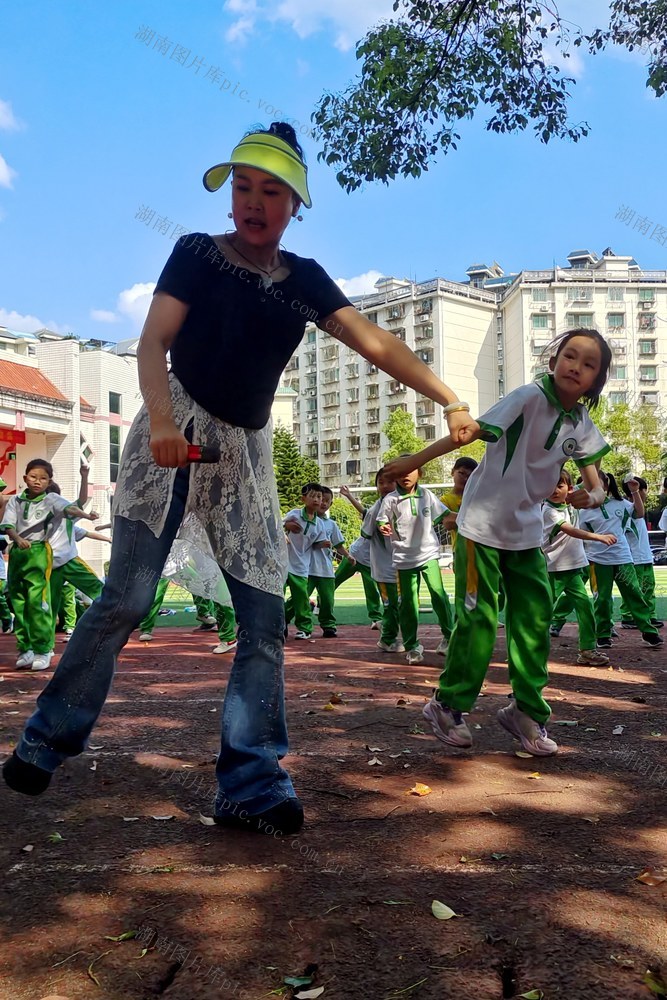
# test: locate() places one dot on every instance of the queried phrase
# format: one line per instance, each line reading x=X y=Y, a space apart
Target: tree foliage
x=439 y=62
x=400 y=431
x=637 y=439
x=347 y=519
x=292 y=470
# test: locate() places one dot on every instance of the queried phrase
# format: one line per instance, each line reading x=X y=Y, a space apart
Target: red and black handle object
x=203 y=453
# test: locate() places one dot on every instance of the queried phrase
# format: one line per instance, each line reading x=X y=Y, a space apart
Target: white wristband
x=454 y=407
x=596 y=497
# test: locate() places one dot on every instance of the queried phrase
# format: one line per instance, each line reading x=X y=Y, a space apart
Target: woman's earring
x=229 y=215
x=299 y=218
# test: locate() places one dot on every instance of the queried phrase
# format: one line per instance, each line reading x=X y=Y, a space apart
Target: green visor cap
x=268 y=153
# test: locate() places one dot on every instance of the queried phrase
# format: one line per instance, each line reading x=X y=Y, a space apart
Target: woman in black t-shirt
x=230 y=310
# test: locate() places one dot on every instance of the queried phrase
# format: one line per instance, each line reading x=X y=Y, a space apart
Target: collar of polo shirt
x=546 y=384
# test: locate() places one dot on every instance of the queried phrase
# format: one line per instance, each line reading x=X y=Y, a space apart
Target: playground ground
x=113 y=888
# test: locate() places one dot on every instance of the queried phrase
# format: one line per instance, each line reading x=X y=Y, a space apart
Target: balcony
x=424 y=332
x=395 y=388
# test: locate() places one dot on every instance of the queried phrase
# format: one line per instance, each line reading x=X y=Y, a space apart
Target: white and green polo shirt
x=62 y=537
x=637 y=534
x=300 y=543
x=530 y=437
x=562 y=552
x=609 y=519
x=31 y=517
x=412 y=517
x=382 y=569
x=321 y=560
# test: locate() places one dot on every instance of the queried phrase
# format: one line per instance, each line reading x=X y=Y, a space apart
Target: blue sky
x=96 y=125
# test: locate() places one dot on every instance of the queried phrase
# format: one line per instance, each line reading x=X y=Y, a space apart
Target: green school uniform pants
x=569 y=582
x=325 y=587
x=5 y=612
x=624 y=576
x=298 y=604
x=564 y=607
x=346 y=571
x=147 y=624
x=646 y=580
x=390 y=616
x=477 y=573
x=408 y=609
x=223 y=614
x=81 y=576
x=29 y=590
x=67 y=609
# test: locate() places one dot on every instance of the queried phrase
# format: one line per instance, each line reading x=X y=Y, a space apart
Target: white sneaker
x=225 y=647
x=447 y=725
x=415 y=655
x=442 y=646
x=391 y=647
x=208 y=620
x=145 y=637
x=302 y=635
x=533 y=736
x=42 y=661
x=375 y=625
x=25 y=660
x=67 y=634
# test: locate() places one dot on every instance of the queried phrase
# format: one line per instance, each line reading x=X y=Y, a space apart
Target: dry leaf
x=591 y=819
x=442 y=911
x=522 y=753
x=309 y=994
x=489 y=810
x=163 y=817
x=617 y=730
x=374 y=760
x=402 y=702
x=206 y=820
x=624 y=961
x=329 y=707
x=376 y=749
x=418 y=788
x=651 y=876
x=28 y=848
x=130 y=819
x=100 y=747
x=536 y=775
x=93 y=766
x=466 y=861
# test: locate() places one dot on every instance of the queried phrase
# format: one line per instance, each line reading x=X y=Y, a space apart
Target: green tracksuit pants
x=570 y=583
x=408 y=587
x=67 y=609
x=5 y=612
x=81 y=576
x=346 y=571
x=478 y=570
x=624 y=576
x=646 y=580
x=390 y=616
x=223 y=614
x=298 y=604
x=147 y=624
x=28 y=586
x=325 y=587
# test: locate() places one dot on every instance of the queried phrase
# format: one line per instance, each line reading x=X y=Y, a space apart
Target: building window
x=352 y=371
x=540 y=322
x=648 y=373
x=331 y=399
x=649 y=399
x=398 y=406
x=353 y=394
x=580 y=294
x=373 y=391
x=332 y=470
x=312 y=450
x=646 y=347
x=647 y=322
x=373 y=416
x=372 y=317
x=539 y=295
x=615 y=294
x=354 y=442
x=646 y=294
x=618 y=371
x=311 y=336
x=582 y=321
x=353 y=467
x=373 y=442
x=427 y=433
x=311 y=406
x=114 y=452
x=615 y=398
x=114 y=403
x=352 y=418
x=615 y=321
x=426 y=356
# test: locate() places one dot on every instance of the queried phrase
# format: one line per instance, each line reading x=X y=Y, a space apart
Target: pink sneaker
x=447 y=725
x=533 y=736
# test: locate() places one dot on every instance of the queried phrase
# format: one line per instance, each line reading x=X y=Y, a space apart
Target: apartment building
x=485 y=337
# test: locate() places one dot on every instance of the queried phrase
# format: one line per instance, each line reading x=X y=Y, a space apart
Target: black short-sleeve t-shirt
x=237 y=336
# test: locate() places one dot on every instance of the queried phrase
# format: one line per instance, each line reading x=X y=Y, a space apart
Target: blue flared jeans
x=254 y=729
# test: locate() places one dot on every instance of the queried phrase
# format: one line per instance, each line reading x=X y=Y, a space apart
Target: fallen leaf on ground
x=442 y=911
x=329 y=707
x=590 y=729
x=130 y=819
x=655 y=983
x=651 y=876
x=532 y=995
x=464 y=860
x=402 y=702
x=623 y=961
x=536 y=775
x=93 y=766
x=522 y=753
x=489 y=810
x=419 y=789
x=28 y=848
x=617 y=730
x=298 y=980
x=100 y=747
x=125 y=936
x=394 y=902
x=163 y=817
x=374 y=760
x=89 y=970
x=309 y=994
x=591 y=819
x=375 y=749
x=499 y=857
x=656 y=734
x=206 y=820
x=56 y=838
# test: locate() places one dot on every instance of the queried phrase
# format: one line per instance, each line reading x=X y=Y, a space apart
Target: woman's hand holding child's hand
x=462 y=427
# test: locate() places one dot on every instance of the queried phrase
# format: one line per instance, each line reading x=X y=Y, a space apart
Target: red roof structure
x=27 y=381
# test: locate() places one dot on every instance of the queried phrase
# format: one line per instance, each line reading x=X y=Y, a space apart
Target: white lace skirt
x=232 y=513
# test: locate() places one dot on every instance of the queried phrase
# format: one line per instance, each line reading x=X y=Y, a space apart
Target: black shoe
x=604 y=644
x=285 y=633
x=26 y=778
x=614 y=634
x=281 y=820
x=656 y=623
x=329 y=633
x=651 y=639
x=628 y=625
x=554 y=630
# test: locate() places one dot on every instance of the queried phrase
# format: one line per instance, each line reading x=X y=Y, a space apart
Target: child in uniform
x=382 y=568
x=636 y=489
x=408 y=515
x=563 y=548
x=321 y=576
x=462 y=469
x=612 y=564
x=26 y=521
x=304 y=528
x=361 y=550
x=531 y=432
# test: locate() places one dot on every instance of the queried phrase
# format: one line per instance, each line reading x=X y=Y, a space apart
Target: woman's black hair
x=283 y=131
x=592 y=397
x=643 y=485
x=565 y=477
x=612 y=486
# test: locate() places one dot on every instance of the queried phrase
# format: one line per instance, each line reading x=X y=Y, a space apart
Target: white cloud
x=29 y=324
x=104 y=316
x=134 y=302
x=8 y=121
x=349 y=19
x=362 y=284
x=7 y=175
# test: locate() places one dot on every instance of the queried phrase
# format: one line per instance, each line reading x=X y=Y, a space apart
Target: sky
x=111 y=113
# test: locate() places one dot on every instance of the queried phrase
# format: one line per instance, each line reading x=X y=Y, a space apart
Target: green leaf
x=125 y=936
x=56 y=838
x=298 y=980
x=442 y=911
x=532 y=995
x=655 y=983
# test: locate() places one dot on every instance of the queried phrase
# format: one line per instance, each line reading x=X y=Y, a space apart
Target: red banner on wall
x=14 y=437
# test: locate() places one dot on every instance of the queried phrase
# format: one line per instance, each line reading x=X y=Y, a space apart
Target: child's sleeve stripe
x=592 y=459
x=490 y=433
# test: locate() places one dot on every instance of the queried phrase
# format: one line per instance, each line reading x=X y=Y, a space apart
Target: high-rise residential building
x=484 y=337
